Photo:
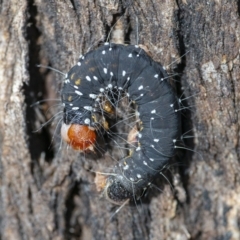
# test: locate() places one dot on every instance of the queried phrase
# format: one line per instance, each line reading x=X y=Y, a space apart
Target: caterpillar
x=90 y=91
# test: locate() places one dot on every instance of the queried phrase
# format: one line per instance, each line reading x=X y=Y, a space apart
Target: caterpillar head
x=79 y=137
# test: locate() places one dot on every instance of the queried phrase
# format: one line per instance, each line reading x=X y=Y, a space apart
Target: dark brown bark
x=47 y=191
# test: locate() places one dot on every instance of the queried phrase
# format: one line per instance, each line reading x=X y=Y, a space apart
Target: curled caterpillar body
x=115 y=69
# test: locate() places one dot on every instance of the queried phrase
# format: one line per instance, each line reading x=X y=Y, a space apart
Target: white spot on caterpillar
x=75 y=108
x=153 y=111
x=103 y=52
x=156 y=75
x=151 y=159
x=95 y=78
x=111 y=73
x=79 y=64
x=131 y=179
x=88 y=78
x=123 y=73
x=139 y=176
x=87 y=121
x=126 y=167
x=75 y=86
x=89 y=108
x=105 y=70
x=101 y=89
x=93 y=96
x=156 y=140
x=129 y=55
x=78 y=93
x=138 y=149
x=141 y=87
x=145 y=163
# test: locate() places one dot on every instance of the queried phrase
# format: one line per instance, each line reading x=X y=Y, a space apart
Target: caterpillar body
x=123 y=70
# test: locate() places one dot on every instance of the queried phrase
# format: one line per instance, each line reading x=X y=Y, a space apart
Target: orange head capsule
x=79 y=137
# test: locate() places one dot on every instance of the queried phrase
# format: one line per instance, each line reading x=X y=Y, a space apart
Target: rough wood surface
x=47 y=190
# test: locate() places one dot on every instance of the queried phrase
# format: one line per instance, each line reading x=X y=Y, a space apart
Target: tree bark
x=47 y=189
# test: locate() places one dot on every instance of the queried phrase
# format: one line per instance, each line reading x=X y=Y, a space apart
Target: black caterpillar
x=122 y=69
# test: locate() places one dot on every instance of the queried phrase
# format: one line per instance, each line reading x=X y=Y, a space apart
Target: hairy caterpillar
x=115 y=69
